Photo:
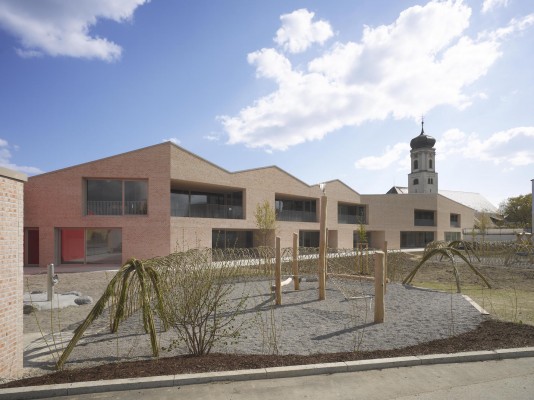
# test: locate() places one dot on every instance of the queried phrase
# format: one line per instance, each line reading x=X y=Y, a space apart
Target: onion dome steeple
x=423 y=140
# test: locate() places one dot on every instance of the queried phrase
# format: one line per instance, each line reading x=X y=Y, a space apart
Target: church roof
x=473 y=200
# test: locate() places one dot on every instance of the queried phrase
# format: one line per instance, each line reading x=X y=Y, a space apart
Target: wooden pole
x=385 y=266
x=322 y=250
x=296 y=261
x=379 y=287
x=278 y=273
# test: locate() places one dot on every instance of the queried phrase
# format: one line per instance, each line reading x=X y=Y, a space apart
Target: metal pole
x=278 y=273
x=322 y=250
x=50 y=282
x=296 y=261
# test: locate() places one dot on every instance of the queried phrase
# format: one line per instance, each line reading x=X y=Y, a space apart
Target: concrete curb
x=69 y=389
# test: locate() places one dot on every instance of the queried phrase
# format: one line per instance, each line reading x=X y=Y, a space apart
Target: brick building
x=159 y=199
x=11 y=260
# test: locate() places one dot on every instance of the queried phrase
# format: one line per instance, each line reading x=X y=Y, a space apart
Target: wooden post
x=278 y=273
x=296 y=261
x=379 y=287
x=322 y=250
x=385 y=249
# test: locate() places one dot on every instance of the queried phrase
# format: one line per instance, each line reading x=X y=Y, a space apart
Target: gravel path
x=301 y=325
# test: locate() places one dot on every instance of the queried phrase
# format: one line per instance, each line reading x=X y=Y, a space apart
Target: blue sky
x=324 y=90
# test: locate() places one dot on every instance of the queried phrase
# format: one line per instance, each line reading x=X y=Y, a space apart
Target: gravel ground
x=301 y=325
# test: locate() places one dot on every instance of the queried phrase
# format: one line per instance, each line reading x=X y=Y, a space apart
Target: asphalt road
x=504 y=379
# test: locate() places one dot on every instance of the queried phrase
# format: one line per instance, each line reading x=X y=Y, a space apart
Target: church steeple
x=423 y=177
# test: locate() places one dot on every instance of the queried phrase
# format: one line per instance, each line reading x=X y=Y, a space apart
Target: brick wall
x=11 y=260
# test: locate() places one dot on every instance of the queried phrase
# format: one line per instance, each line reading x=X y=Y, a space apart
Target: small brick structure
x=11 y=277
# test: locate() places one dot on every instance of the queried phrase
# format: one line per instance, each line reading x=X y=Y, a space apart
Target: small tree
x=517 y=211
x=199 y=301
x=265 y=216
x=362 y=233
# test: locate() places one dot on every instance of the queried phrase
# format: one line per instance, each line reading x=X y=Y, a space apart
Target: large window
x=90 y=245
x=225 y=239
x=308 y=238
x=455 y=220
x=416 y=239
x=351 y=214
x=196 y=204
x=116 y=197
x=300 y=210
x=424 y=218
x=451 y=236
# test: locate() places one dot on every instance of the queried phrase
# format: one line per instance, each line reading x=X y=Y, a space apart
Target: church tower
x=423 y=178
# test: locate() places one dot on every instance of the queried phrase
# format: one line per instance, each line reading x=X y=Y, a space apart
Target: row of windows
x=416 y=164
x=430 y=181
x=130 y=197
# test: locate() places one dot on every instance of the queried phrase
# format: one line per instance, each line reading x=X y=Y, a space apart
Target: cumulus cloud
x=5 y=160
x=298 y=31
x=399 y=154
x=509 y=148
x=382 y=75
x=212 y=137
x=61 y=28
x=172 y=139
x=490 y=5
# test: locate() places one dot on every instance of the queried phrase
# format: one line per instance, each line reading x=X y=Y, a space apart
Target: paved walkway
x=504 y=379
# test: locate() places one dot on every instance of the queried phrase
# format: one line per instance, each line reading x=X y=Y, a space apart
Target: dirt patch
x=489 y=335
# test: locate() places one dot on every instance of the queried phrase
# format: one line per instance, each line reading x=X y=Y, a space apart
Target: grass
x=507 y=304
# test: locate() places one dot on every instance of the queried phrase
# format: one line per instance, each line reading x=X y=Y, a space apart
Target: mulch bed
x=490 y=335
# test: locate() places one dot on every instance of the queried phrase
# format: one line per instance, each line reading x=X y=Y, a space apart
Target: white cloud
x=61 y=28
x=5 y=160
x=490 y=5
x=298 y=32
x=398 y=153
x=422 y=60
x=172 y=139
x=510 y=148
x=212 y=137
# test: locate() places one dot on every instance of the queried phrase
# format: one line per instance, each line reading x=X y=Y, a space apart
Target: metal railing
x=116 y=208
x=207 y=211
x=296 y=216
x=350 y=219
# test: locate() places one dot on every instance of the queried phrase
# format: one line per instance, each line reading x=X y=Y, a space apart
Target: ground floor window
x=308 y=238
x=451 y=236
x=225 y=239
x=90 y=245
x=415 y=239
x=357 y=238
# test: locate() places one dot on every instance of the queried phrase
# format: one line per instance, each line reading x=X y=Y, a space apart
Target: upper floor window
x=351 y=214
x=295 y=210
x=116 y=197
x=424 y=218
x=430 y=164
x=199 y=204
x=416 y=181
x=415 y=164
x=455 y=220
x=430 y=181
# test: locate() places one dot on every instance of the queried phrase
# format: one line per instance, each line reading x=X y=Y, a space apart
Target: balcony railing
x=455 y=224
x=424 y=222
x=207 y=211
x=350 y=219
x=116 y=207
x=296 y=216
